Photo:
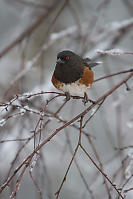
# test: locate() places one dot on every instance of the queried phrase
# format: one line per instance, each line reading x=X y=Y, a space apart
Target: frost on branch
x=2 y=122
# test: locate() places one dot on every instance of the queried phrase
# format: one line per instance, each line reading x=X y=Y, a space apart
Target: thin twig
x=75 y=152
x=28 y=31
x=19 y=179
x=114 y=74
x=36 y=185
x=105 y=175
x=108 y=93
x=95 y=111
x=78 y=167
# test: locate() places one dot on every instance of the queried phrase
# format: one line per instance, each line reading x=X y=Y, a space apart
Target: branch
x=75 y=152
x=105 y=175
x=114 y=52
x=64 y=126
x=28 y=31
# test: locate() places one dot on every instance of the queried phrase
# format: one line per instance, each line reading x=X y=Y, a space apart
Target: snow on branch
x=113 y=52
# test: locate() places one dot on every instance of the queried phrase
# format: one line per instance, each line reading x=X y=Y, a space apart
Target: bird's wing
x=89 y=63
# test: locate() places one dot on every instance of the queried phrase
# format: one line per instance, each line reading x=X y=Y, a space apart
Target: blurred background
x=32 y=32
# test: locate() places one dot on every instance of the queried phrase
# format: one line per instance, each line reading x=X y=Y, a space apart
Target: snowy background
x=31 y=35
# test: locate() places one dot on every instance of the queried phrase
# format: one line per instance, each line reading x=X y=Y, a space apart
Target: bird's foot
x=67 y=96
x=86 y=99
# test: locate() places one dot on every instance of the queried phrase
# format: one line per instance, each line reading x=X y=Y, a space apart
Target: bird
x=73 y=74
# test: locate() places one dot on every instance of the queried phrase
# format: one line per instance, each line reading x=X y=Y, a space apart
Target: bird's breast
x=68 y=74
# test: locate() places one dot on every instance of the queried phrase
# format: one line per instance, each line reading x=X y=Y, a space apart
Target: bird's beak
x=60 y=61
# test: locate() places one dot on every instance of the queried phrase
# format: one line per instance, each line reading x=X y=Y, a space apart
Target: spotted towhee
x=73 y=74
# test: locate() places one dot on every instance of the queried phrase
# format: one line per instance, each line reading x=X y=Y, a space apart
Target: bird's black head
x=69 y=67
x=67 y=57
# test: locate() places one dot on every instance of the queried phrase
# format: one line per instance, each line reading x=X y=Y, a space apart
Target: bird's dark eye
x=67 y=57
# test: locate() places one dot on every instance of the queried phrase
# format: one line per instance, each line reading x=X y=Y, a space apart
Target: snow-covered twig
x=113 y=52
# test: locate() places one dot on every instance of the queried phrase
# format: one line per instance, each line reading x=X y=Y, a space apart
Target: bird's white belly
x=74 y=88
